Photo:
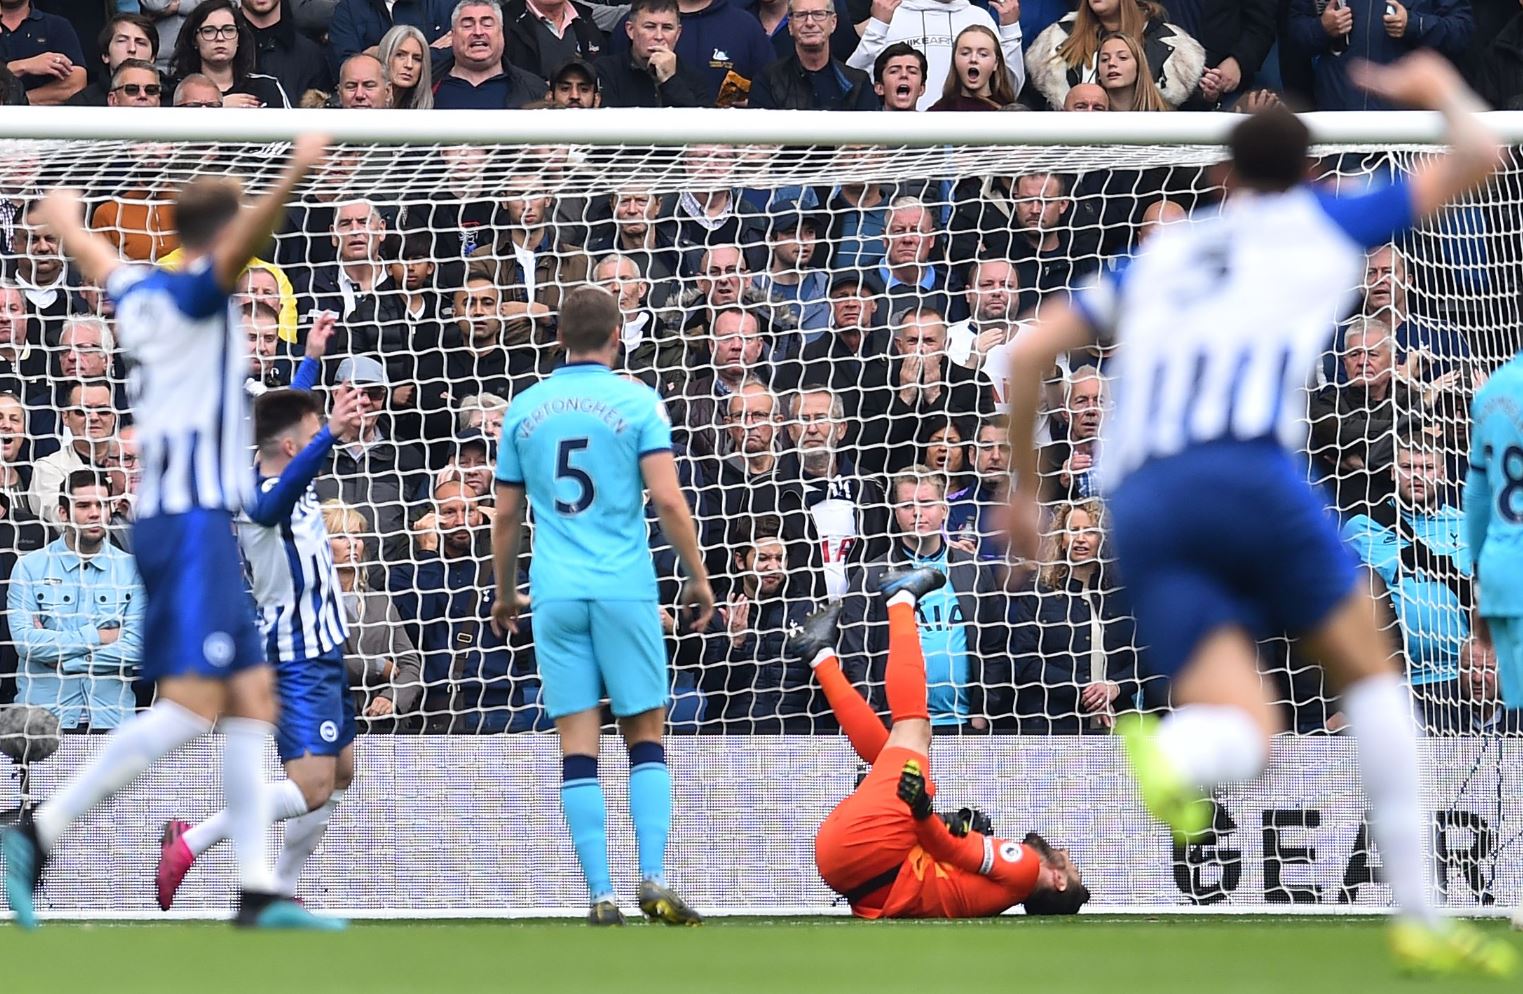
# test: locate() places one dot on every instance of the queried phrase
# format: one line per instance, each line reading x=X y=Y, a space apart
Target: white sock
x=1380 y=714
x=303 y=835
x=124 y=754
x=248 y=811
x=1213 y=744
x=902 y=597
x=284 y=798
x=820 y=657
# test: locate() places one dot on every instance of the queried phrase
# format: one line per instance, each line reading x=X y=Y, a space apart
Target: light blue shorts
x=1507 y=637
x=591 y=650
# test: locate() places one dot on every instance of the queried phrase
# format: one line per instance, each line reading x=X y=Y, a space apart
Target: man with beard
x=881 y=848
x=981 y=342
x=284 y=52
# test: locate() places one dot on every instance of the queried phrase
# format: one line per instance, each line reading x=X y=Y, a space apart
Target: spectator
x=362 y=84
x=808 y=78
x=635 y=229
x=359 y=25
x=649 y=349
x=722 y=44
x=931 y=26
x=134 y=83
x=20 y=531
x=1028 y=220
x=43 y=52
x=267 y=369
x=899 y=76
x=125 y=36
x=1068 y=464
x=983 y=341
x=1353 y=426
x=215 y=41
x=832 y=516
x=792 y=280
x=475 y=359
x=941 y=450
x=574 y=84
x=196 y=90
x=378 y=476
x=650 y=73
x=751 y=684
x=735 y=350
x=76 y=611
x=1068 y=51
x=22 y=361
x=1499 y=79
x=1087 y=97
x=926 y=387
x=1125 y=76
x=742 y=480
x=979 y=79
x=1428 y=353
x=974 y=512
x=474 y=680
x=478 y=76
x=45 y=279
x=470 y=462
x=15 y=467
x=266 y=283
x=1380 y=31
x=857 y=217
x=961 y=625
x=852 y=360
x=385 y=671
x=1416 y=544
x=723 y=282
x=123 y=475
x=91 y=422
x=714 y=210
x=1073 y=645
x=483 y=412
x=84 y=353
x=404 y=52
x=282 y=51
x=1236 y=35
x=908 y=275
x=542 y=35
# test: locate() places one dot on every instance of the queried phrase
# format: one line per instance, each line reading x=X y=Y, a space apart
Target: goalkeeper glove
x=914 y=792
x=965 y=820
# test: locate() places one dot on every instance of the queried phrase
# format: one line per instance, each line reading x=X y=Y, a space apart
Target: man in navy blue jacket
x=1333 y=33
x=359 y=24
x=718 y=38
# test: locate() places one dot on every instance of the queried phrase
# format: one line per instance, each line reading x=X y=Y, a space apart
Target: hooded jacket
x=933 y=26
x=1176 y=59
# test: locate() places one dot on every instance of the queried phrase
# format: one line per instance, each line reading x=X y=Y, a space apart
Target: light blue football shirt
x=574 y=442
x=1494 y=491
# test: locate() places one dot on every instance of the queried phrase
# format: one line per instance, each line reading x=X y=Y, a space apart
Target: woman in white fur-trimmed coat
x=1067 y=52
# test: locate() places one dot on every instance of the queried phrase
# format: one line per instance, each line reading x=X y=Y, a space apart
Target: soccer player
x=881 y=848
x=296 y=590
x=582 y=445
x=200 y=643
x=1217 y=325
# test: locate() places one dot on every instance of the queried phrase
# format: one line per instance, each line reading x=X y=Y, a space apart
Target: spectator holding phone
x=1336 y=33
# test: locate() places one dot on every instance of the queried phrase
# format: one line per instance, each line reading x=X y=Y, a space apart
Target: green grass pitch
x=1118 y=955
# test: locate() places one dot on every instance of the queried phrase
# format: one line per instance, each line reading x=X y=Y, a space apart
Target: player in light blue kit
x=1217 y=325
x=583 y=445
x=1494 y=520
x=200 y=642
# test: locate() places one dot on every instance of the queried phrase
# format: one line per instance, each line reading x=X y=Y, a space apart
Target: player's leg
x=904 y=681
x=814 y=643
x=572 y=689
x=324 y=791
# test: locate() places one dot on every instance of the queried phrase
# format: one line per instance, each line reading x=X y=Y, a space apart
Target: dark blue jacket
x=1442 y=25
x=715 y=40
x=359 y=24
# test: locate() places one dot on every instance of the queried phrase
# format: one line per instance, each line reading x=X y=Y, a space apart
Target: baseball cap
x=362 y=370
x=787 y=213
x=575 y=64
x=472 y=436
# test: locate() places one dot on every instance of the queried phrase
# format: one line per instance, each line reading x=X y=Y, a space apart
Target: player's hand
x=1023 y=521
x=61 y=207
x=883 y=10
x=308 y=152
x=1337 y=19
x=697 y=604
x=1008 y=11
x=324 y=323
x=914 y=791
x=1396 y=20
x=966 y=820
x=505 y=613
x=1423 y=80
x=663 y=64
x=345 y=417
x=381 y=707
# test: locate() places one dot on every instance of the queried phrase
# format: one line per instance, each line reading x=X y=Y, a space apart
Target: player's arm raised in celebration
x=250 y=229
x=660 y=472
x=1425 y=80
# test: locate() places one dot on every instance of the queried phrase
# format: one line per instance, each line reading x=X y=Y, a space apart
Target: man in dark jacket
x=649 y=73
x=808 y=78
x=359 y=24
x=1379 y=31
x=1236 y=34
x=542 y=35
x=125 y=36
x=722 y=43
x=283 y=51
x=475 y=75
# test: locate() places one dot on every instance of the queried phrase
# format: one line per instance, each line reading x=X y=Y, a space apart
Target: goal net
x=826 y=310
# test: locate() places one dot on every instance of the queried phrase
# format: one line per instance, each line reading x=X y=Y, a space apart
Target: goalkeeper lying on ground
x=882 y=848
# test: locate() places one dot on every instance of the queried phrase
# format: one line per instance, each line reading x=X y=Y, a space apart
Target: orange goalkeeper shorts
x=871 y=832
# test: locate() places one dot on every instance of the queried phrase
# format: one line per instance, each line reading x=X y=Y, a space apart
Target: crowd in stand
x=830 y=355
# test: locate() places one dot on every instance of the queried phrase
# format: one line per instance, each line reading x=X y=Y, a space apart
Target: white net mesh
x=820 y=321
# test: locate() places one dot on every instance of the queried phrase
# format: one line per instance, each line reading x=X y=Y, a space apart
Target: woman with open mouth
x=980 y=79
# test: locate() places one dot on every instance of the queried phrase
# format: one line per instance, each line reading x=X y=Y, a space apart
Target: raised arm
x=1426 y=81
x=63 y=212
x=251 y=228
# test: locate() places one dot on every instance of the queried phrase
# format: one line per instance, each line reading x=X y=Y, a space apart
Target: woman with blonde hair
x=980 y=77
x=1125 y=76
x=385 y=670
x=1071 y=641
x=404 y=52
x=1068 y=52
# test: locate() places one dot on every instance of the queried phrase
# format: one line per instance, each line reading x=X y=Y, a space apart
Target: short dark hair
x=203 y=207
x=186 y=59
x=413 y=245
x=78 y=479
x=278 y=411
x=261 y=309
x=754 y=529
x=1269 y=150
x=83 y=385
x=654 y=7
x=589 y=318
x=143 y=24
x=897 y=50
x=128 y=64
x=1050 y=901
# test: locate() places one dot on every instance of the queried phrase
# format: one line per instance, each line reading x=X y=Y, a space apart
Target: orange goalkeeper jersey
x=949 y=877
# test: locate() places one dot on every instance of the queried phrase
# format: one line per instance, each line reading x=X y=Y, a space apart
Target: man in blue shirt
x=580 y=448
x=76 y=610
x=43 y=51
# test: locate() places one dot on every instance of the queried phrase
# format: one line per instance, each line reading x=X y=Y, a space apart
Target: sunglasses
x=138 y=89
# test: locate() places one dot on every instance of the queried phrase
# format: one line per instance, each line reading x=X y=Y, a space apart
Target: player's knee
x=648 y=726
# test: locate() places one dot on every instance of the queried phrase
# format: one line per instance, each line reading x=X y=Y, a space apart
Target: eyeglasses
x=212 y=32
x=812 y=15
x=138 y=89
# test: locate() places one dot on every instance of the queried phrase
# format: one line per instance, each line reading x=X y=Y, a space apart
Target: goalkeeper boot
x=175 y=860
x=814 y=634
x=659 y=903
x=605 y=912
x=918 y=580
x=267 y=911
x=1450 y=948
x=1167 y=797
x=24 y=860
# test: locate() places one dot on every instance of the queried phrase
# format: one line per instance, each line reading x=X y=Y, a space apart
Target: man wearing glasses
x=810 y=79
x=135 y=83
x=43 y=51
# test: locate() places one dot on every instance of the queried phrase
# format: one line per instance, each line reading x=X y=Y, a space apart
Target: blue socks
x=582 y=802
x=650 y=804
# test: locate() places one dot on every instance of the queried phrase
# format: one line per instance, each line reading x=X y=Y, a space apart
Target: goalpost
x=463 y=821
